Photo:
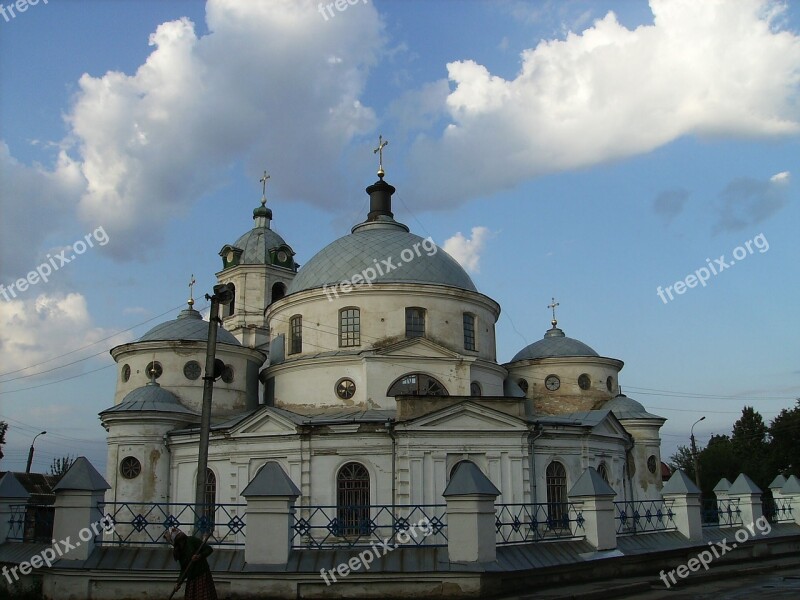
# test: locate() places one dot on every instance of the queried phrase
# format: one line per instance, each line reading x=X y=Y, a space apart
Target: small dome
x=628 y=408
x=256 y=244
x=188 y=326
x=554 y=344
x=151 y=397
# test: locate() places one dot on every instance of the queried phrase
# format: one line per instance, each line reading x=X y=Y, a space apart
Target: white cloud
x=467 y=251
x=711 y=68
x=782 y=177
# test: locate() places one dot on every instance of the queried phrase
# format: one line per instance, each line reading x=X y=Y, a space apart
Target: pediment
x=417 y=347
x=265 y=422
x=466 y=416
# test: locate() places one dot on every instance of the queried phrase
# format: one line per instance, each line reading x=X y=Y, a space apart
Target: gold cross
x=379 y=150
x=553 y=305
x=263 y=181
x=191 y=290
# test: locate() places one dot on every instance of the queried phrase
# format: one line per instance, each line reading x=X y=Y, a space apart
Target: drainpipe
x=532 y=467
x=625 y=473
x=390 y=430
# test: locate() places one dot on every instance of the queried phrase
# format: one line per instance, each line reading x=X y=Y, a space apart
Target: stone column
x=270 y=496
x=11 y=493
x=682 y=496
x=471 y=529
x=594 y=500
x=77 y=519
x=749 y=496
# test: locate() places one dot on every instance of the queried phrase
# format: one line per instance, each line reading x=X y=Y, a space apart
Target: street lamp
x=694 y=454
x=30 y=452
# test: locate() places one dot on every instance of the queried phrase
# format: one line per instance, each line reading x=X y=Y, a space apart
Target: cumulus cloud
x=36 y=330
x=747 y=201
x=467 y=251
x=711 y=68
x=669 y=203
x=272 y=85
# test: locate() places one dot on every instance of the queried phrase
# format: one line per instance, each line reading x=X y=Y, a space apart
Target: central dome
x=385 y=247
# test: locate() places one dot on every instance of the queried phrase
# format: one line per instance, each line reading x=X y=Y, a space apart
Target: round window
x=154 y=370
x=130 y=467
x=584 y=382
x=552 y=383
x=652 y=463
x=192 y=370
x=345 y=388
x=227 y=374
x=126 y=372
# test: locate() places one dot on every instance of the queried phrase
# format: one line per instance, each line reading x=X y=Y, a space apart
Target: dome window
x=278 y=291
x=652 y=463
x=192 y=370
x=296 y=334
x=415 y=322
x=126 y=373
x=552 y=383
x=584 y=382
x=417 y=384
x=523 y=385
x=228 y=374
x=130 y=467
x=469 y=331
x=475 y=389
x=154 y=370
x=610 y=384
x=349 y=327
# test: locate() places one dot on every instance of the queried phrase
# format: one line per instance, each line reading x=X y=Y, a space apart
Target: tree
x=717 y=460
x=3 y=429
x=682 y=459
x=750 y=446
x=61 y=465
x=784 y=432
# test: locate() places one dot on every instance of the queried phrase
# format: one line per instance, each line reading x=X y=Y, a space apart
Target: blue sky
x=591 y=151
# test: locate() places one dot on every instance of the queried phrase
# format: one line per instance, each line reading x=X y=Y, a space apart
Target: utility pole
x=694 y=454
x=30 y=452
x=223 y=294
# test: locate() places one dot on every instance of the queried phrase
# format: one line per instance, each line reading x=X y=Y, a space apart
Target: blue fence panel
x=777 y=510
x=31 y=523
x=643 y=517
x=521 y=523
x=721 y=513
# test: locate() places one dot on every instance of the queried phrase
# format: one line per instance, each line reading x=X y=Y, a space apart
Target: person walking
x=191 y=552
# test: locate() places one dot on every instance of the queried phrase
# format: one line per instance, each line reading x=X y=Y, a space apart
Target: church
x=367 y=375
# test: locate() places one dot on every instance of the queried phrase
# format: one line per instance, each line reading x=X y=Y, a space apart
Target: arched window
x=469 y=331
x=475 y=389
x=352 y=499
x=230 y=309
x=349 y=327
x=602 y=470
x=417 y=384
x=415 y=322
x=295 y=334
x=209 y=501
x=278 y=292
x=556 y=494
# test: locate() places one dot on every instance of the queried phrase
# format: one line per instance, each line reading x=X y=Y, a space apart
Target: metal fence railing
x=722 y=512
x=521 y=523
x=364 y=525
x=643 y=517
x=31 y=523
x=139 y=523
x=777 y=510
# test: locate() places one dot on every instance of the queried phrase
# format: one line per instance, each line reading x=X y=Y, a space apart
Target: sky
x=635 y=161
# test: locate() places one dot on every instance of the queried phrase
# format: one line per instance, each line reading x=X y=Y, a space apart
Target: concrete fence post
x=271 y=497
x=471 y=529
x=749 y=496
x=682 y=496
x=721 y=489
x=594 y=500
x=11 y=492
x=776 y=485
x=791 y=492
x=78 y=517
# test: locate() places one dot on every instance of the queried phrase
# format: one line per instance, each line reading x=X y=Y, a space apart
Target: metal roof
x=468 y=479
x=792 y=486
x=10 y=487
x=366 y=248
x=590 y=483
x=150 y=398
x=189 y=325
x=82 y=476
x=271 y=480
x=680 y=483
x=256 y=244
x=554 y=344
x=778 y=481
x=744 y=485
x=723 y=486
x=628 y=408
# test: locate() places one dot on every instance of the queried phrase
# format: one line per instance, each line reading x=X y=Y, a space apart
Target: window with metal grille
x=349 y=327
x=469 y=331
x=415 y=322
x=352 y=500
x=556 y=494
x=417 y=384
x=210 y=499
x=296 y=334
x=475 y=389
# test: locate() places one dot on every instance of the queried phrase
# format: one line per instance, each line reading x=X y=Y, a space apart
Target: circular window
x=610 y=384
x=584 y=382
x=192 y=370
x=130 y=467
x=523 y=385
x=345 y=388
x=227 y=374
x=552 y=383
x=126 y=372
x=154 y=370
x=475 y=388
x=652 y=463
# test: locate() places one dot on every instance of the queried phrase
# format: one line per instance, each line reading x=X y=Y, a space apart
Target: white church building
x=368 y=375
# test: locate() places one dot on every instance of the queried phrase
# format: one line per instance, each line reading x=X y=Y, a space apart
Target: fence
x=145 y=523
x=721 y=513
x=777 y=510
x=31 y=523
x=521 y=523
x=643 y=517
x=363 y=525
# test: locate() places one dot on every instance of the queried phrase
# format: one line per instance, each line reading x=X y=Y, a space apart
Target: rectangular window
x=296 y=335
x=469 y=331
x=415 y=322
x=349 y=327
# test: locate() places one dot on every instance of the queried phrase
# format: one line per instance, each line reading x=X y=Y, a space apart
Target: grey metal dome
x=256 y=244
x=188 y=326
x=152 y=398
x=628 y=408
x=554 y=344
x=368 y=246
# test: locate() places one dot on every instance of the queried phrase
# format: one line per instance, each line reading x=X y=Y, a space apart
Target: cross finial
x=379 y=151
x=191 y=291
x=263 y=181
x=553 y=305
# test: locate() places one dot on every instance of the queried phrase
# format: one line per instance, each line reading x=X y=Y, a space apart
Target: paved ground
x=779 y=578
